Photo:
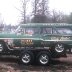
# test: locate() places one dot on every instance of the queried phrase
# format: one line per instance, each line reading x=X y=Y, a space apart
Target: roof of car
x=45 y=25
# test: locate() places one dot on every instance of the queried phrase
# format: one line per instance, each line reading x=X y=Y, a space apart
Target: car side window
x=32 y=31
x=46 y=30
x=29 y=31
x=62 y=31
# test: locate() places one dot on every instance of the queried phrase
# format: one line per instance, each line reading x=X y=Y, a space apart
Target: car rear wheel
x=58 y=50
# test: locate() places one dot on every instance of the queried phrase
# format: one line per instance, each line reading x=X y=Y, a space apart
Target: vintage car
x=38 y=42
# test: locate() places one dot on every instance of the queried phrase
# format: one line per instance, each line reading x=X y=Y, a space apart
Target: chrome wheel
x=26 y=58
x=59 y=48
x=43 y=59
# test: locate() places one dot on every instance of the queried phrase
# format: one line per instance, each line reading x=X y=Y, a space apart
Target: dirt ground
x=10 y=64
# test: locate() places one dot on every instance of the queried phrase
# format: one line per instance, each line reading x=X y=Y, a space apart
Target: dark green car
x=37 y=42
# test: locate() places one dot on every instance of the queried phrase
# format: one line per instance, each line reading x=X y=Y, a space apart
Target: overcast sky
x=11 y=15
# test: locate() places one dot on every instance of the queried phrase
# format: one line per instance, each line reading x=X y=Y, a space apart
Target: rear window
x=62 y=31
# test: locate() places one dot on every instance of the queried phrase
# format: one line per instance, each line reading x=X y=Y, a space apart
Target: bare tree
x=44 y=6
x=40 y=9
x=70 y=18
x=57 y=16
x=35 y=6
x=24 y=4
x=40 y=6
x=1 y=22
x=23 y=11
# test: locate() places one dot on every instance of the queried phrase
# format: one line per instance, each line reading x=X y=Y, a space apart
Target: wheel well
x=57 y=54
x=53 y=45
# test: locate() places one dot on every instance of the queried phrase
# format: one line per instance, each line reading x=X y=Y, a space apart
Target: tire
x=43 y=58
x=58 y=49
x=26 y=58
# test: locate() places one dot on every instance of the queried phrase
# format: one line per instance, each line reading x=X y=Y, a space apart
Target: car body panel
x=21 y=40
